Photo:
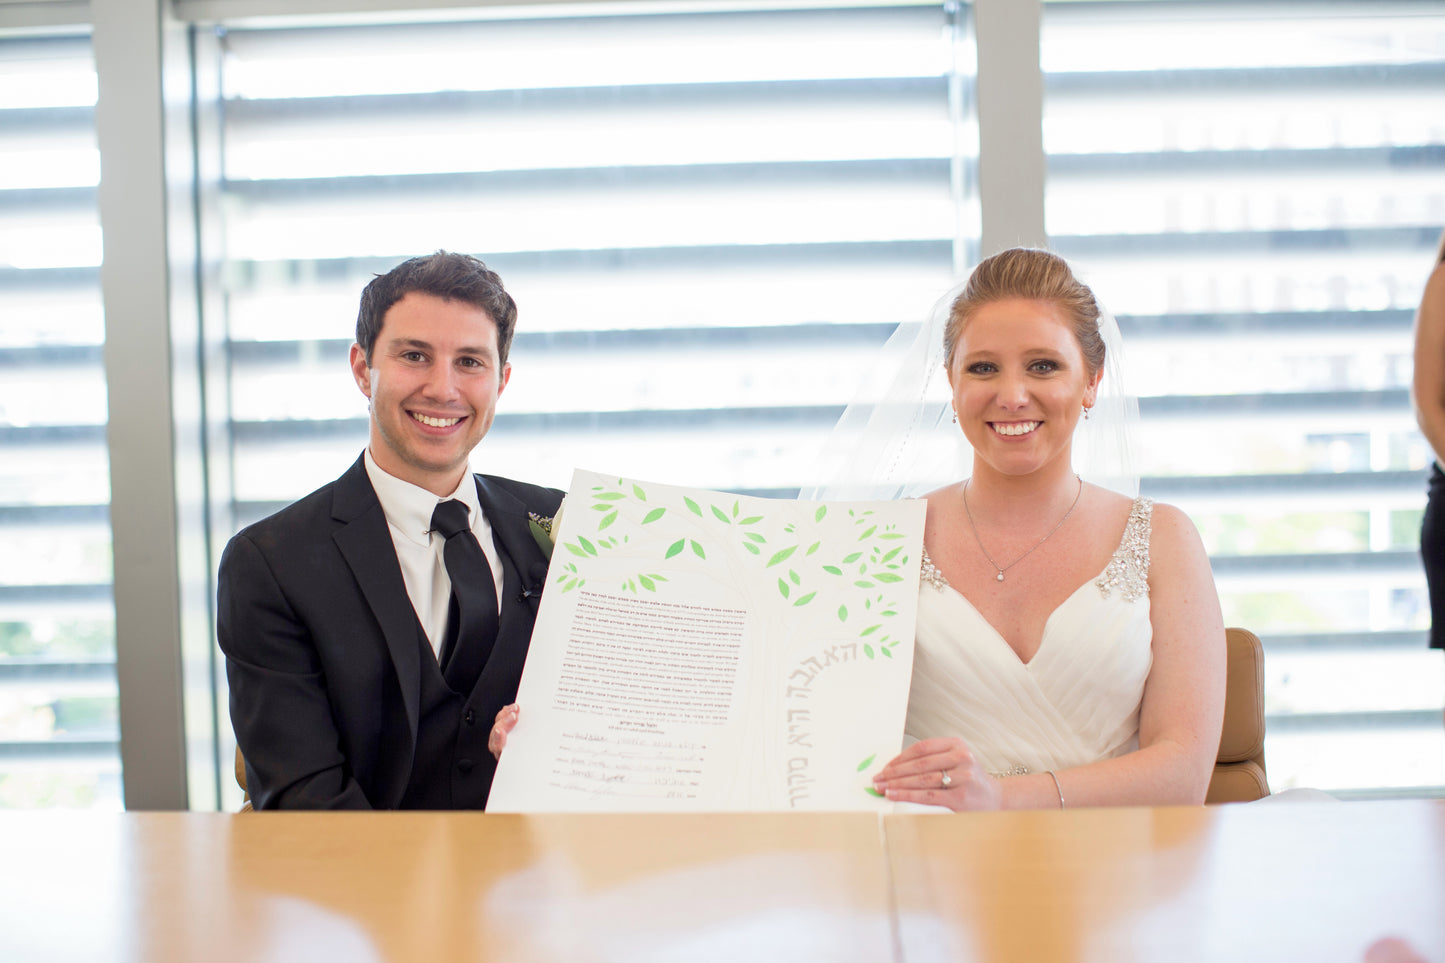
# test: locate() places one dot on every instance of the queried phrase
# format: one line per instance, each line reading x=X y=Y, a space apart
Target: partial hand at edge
x=506 y=722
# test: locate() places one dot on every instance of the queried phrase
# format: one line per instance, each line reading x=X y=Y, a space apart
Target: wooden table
x=1276 y=882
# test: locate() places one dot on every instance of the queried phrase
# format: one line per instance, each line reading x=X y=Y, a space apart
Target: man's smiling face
x=433 y=378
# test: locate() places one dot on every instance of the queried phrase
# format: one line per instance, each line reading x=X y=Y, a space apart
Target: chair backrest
x=241 y=780
x=1239 y=774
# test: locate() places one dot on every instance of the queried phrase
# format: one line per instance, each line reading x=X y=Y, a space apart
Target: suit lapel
x=365 y=542
x=521 y=557
x=513 y=535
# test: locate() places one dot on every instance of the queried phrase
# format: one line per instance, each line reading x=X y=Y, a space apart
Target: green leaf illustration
x=586 y=545
x=863 y=583
x=887 y=577
x=641 y=495
x=574 y=549
x=784 y=588
x=737 y=508
x=750 y=520
x=794 y=577
x=872 y=792
x=609 y=496
x=850 y=559
x=752 y=548
x=781 y=554
x=871 y=629
x=869 y=531
x=818 y=515
x=832 y=570
x=812 y=548
x=653 y=515
x=697 y=549
x=721 y=514
x=606 y=520
x=891 y=535
x=647 y=583
x=755 y=536
x=804 y=600
x=603 y=507
x=888 y=557
x=867 y=762
x=868 y=651
x=675 y=547
x=842 y=613
x=692 y=506
x=885 y=650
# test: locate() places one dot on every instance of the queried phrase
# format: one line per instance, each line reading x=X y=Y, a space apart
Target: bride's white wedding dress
x=1075 y=702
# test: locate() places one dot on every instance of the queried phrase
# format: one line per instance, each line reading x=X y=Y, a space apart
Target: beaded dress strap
x=930 y=573
x=1128 y=570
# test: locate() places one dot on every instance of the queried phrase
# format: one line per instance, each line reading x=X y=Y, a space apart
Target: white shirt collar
x=409 y=507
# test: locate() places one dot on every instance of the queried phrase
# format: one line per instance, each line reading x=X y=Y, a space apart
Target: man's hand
x=506 y=722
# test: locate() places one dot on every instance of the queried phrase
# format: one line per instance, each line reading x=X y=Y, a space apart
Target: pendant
x=999 y=576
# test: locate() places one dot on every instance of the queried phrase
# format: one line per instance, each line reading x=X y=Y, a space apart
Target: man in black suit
x=363 y=673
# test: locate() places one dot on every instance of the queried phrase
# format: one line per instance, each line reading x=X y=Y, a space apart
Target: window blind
x=59 y=739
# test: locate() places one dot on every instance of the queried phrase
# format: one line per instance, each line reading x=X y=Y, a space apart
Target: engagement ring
x=947 y=780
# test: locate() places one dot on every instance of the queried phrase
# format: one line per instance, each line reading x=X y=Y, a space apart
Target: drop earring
x=1086 y=412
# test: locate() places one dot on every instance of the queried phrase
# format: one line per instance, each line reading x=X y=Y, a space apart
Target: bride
x=1070 y=648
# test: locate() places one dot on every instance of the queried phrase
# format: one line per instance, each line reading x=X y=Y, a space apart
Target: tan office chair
x=1239 y=769
x=241 y=780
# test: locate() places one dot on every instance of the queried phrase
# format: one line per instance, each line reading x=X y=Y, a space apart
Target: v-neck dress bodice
x=1075 y=702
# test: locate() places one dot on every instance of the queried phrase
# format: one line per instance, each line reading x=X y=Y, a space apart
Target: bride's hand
x=506 y=722
x=939 y=772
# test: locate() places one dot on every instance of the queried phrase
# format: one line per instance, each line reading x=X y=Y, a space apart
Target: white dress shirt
x=408 y=509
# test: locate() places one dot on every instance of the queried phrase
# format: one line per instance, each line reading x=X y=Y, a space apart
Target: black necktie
x=472 y=615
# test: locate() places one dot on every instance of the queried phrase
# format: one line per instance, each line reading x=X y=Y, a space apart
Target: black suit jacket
x=321 y=642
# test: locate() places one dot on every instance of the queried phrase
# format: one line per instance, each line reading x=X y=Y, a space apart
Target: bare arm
x=1183 y=708
x=1180 y=716
x=1427 y=390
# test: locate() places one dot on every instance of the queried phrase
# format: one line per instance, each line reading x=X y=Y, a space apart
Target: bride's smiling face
x=1020 y=383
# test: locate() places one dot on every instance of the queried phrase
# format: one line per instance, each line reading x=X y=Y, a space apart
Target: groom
x=373 y=630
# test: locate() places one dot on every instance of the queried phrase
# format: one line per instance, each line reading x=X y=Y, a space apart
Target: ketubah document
x=699 y=651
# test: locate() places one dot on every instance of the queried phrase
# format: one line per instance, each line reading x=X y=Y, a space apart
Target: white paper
x=699 y=651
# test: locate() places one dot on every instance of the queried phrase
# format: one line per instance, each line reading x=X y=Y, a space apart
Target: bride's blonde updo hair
x=1024 y=272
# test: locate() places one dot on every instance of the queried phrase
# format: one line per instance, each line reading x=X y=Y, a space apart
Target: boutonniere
x=544 y=529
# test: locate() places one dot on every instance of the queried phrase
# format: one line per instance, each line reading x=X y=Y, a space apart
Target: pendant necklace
x=1029 y=550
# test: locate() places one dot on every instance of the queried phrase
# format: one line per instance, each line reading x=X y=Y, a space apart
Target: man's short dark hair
x=451 y=277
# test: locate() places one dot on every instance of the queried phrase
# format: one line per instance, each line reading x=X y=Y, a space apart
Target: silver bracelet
x=1057 y=787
